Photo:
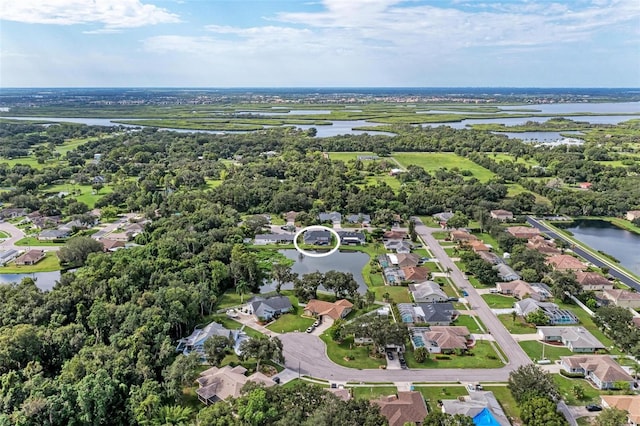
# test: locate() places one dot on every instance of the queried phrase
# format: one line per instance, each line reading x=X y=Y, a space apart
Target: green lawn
x=565 y=386
x=33 y=241
x=399 y=294
x=231 y=299
x=432 y=394
x=504 y=397
x=347 y=156
x=518 y=326
x=83 y=193
x=498 y=301
x=533 y=348
x=434 y=161
x=481 y=356
x=338 y=352
x=4 y=234
x=488 y=239
x=392 y=181
x=440 y=235
x=290 y=322
x=48 y=264
x=469 y=322
x=499 y=157
x=373 y=392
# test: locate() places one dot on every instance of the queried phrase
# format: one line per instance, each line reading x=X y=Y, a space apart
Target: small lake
x=515 y=121
x=44 y=280
x=345 y=261
x=551 y=138
x=619 y=243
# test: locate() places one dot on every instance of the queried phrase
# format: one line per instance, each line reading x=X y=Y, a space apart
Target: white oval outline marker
x=316 y=228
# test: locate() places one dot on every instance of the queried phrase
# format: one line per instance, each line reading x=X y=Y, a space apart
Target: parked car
x=390 y=356
x=310 y=329
x=464 y=293
x=317 y=323
x=594 y=407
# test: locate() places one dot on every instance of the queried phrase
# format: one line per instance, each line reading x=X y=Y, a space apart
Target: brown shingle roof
x=416 y=273
x=333 y=310
x=591 y=278
x=628 y=403
x=449 y=337
x=603 y=367
x=523 y=231
x=226 y=382
x=405 y=407
x=564 y=262
x=394 y=235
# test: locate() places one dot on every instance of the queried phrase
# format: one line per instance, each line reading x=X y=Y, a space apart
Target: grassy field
x=398 y=294
x=499 y=157
x=565 y=386
x=373 y=392
x=498 y=301
x=338 y=352
x=518 y=326
x=347 y=156
x=469 y=322
x=82 y=193
x=434 y=161
x=230 y=299
x=34 y=242
x=533 y=348
x=290 y=322
x=481 y=356
x=48 y=264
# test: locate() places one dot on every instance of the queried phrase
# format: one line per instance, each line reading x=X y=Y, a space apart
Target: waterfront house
x=351 y=238
x=623 y=298
x=593 y=281
x=565 y=262
x=321 y=309
x=416 y=273
x=317 y=238
x=264 y=239
x=525 y=232
x=30 y=257
x=633 y=215
x=265 y=309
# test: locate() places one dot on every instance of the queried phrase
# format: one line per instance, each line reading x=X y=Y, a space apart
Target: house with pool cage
x=427 y=313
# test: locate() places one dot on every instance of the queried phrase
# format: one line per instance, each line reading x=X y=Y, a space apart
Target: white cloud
x=113 y=14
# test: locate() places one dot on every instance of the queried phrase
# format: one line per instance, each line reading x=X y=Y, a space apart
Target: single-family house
x=602 y=370
x=544 y=246
x=506 y=272
x=12 y=213
x=403 y=408
x=585 y=185
x=7 y=256
x=195 y=341
x=525 y=232
x=427 y=313
x=266 y=309
x=30 y=257
x=333 y=217
x=576 y=338
x=218 y=384
x=361 y=218
x=593 y=281
x=75 y=225
x=264 y=239
x=405 y=260
x=416 y=273
x=351 y=238
x=427 y=292
x=565 y=262
x=490 y=257
x=399 y=246
x=462 y=236
x=394 y=235
x=447 y=339
x=443 y=216
x=340 y=392
x=477 y=246
x=43 y=222
x=628 y=403
x=321 y=309
x=317 y=238
x=501 y=215
x=290 y=216
x=623 y=298
x=522 y=290
x=481 y=406
x=556 y=315
x=633 y=215
x=111 y=245
x=53 y=234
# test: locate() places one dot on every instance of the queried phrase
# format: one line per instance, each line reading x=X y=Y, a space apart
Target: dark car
x=390 y=355
x=593 y=407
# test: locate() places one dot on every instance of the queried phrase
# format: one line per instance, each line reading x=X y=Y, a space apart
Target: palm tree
x=242 y=288
x=173 y=415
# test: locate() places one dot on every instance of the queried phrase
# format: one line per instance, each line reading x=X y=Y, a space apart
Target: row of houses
x=315 y=237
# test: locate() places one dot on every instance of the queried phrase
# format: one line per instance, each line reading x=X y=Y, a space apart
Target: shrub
x=421 y=355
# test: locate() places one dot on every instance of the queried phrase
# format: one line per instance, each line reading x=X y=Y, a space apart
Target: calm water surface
x=619 y=243
x=44 y=280
x=347 y=261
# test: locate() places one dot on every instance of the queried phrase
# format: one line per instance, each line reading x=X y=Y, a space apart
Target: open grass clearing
x=517 y=326
x=498 y=301
x=291 y=322
x=481 y=355
x=397 y=293
x=469 y=321
x=48 y=264
x=499 y=157
x=348 y=354
x=435 y=161
x=533 y=348
x=230 y=299
x=350 y=155
x=33 y=241
x=373 y=392
x=83 y=193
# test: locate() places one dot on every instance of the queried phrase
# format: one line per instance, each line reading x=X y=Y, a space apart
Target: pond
x=543 y=137
x=341 y=261
x=44 y=280
x=622 y=244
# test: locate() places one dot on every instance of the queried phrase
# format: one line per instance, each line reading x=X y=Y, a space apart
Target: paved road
x=308 y=353
x=598 y=261
x=516 y=356
x=18 y=234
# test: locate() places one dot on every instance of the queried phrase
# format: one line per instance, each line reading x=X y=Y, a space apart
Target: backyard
x=498 y=301
x=517 y=326
x=534 y=349
x=48 y=264
x=349 y=354
x=481 y=355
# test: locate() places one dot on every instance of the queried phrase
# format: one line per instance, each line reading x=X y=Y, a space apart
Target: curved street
x=17 y=234
x=307 y=353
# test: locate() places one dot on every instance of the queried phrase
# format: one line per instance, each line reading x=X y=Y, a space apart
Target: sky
x=319 y=43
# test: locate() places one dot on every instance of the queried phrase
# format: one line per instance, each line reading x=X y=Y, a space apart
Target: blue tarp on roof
x=485 y=418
